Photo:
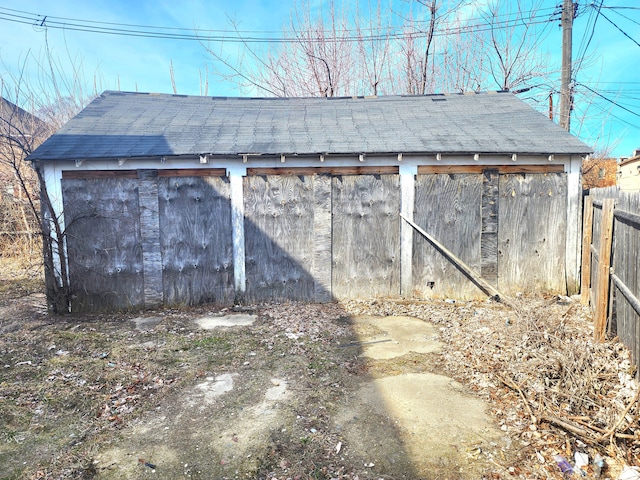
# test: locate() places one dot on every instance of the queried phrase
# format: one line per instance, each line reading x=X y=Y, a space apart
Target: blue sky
x=143 y=64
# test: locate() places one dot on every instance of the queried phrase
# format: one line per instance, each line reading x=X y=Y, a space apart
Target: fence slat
x=602 y=293
x=587 y=231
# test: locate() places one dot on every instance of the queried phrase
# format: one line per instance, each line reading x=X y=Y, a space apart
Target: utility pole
x=566 y=96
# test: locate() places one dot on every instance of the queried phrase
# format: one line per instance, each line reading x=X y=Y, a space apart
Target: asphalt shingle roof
x=122 y=125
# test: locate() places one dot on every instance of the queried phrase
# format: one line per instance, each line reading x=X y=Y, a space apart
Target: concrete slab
x=398 y=335
x=144 y=324
x=231 y=320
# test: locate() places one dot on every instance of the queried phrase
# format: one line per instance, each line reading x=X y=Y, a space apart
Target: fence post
x=604 y=265
x=587 y=232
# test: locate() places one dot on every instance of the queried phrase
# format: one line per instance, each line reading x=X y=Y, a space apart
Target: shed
x=171 y=199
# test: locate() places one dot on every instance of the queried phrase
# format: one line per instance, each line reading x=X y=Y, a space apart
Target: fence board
x=195 y=239
x=604 y=262
x=587 y=231
x=443 y=208
x=366 y=236
x=104 y=243
x=279 y=238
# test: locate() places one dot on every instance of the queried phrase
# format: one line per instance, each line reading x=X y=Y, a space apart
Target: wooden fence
x=611 y=264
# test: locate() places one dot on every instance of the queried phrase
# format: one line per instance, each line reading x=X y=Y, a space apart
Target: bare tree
x=36 y=101
x=514 y=59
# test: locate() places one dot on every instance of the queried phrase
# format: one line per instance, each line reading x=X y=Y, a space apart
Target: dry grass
x=548 y=383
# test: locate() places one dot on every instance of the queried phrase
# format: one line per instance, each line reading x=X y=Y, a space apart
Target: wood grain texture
x=366 y=236
x=322 y=237
x=150 y=234
x=104 y=243
x=479 y=168
x=448 y=207
x=489 y=236
x=604 y=263
x=347 y=170
x=279 y=238
x=195 y=240
x=587 y=230
x=626 y=265
x=532 y=233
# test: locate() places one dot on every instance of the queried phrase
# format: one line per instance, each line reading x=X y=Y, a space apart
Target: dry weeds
x=68 y=385
x=550 y=386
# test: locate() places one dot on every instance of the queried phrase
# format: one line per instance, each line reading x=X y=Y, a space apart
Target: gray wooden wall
x=195 y=240
x=154 y=238
x=104 y=245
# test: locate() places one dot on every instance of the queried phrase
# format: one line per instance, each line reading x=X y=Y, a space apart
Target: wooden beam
x=485 y=286
x=543 y=168
x=587 y=233
x=604 y=266
x=193 y=172
x=382 y=170
x=88 y=174
x=172 y=172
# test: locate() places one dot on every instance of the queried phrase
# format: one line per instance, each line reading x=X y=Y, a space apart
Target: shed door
x=365 y=236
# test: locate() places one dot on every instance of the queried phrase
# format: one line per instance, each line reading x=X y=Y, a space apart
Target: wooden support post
x=466 y=269
x=150 y=233
x=604 y=266
x=587 y=233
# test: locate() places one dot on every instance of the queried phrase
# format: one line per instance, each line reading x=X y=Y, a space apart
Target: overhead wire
x=145 y=31
x=621 y=30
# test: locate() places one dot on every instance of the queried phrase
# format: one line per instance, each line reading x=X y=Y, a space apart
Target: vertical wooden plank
x=574 y=224
x=604 y=263
x=489 y=233
x=52 y=176
x=322 y=237
x=279 y=238
x=445 y=209
x=448 y=207
x=532 y=233
x=196 y=240
x=407 y=205
x=587 y=230
x=237 y=227
x=150 y=233
x=595 y=242
x=366 y=236
x=104 y=243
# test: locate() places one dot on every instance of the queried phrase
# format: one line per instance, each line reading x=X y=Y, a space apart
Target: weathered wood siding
x=195 y=240
x=148 y=237
x=448 y=207
x=490 y=215
x=623 y=279
x=104 y=243
x=280 y=230
x=626 y=265
x=532 y=233
x=366 y=236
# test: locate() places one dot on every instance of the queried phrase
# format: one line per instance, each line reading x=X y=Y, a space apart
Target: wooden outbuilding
x=170 y=199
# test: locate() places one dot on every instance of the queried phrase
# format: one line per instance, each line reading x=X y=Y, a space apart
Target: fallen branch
x=610 y=432
x=515 y=387
x=584 y=434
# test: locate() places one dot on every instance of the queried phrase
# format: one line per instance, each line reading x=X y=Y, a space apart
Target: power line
x=133 y=30
x=609 y=100
x=622 y=31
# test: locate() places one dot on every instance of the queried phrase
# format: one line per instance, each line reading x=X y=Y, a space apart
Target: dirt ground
x=360 y=390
